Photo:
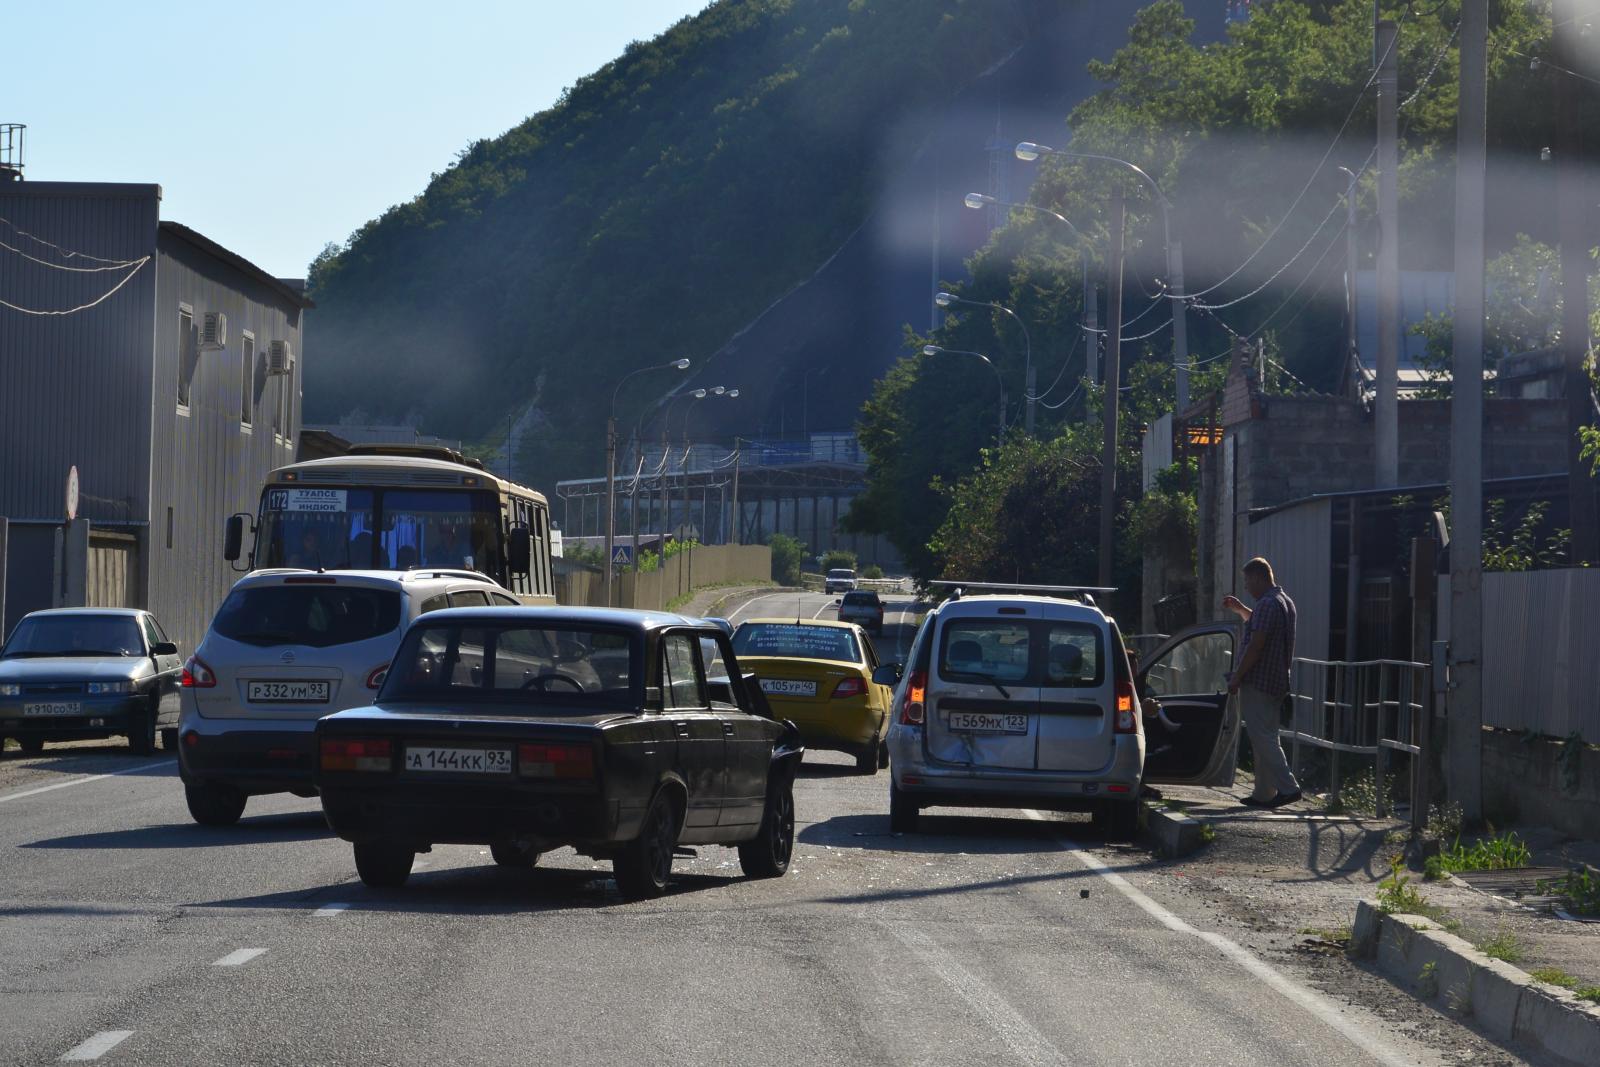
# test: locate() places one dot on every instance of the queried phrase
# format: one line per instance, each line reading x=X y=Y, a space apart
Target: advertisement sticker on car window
x=326 y=501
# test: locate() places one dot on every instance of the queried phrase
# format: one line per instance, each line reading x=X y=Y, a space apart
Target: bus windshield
x=379 y=529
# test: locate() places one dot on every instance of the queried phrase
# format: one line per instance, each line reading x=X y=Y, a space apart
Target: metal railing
x=1371 y=708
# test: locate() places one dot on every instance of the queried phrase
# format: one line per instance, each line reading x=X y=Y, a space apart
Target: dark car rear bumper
x=256 y=757
x=426 y=814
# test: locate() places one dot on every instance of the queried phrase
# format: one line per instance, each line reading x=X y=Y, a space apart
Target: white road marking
x=239 y=957
x=82 y=781
x=1028 y=1043
x=1311 y=1001
x=331 y=909
x=825 y=607
x=98 y=1045
x=756 y=600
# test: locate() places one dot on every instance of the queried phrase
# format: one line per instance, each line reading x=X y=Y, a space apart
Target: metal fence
x=1540 y=671
x=1380 y=708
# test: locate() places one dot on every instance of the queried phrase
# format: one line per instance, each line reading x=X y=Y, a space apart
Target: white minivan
x=286 y=648
x=1031 y=701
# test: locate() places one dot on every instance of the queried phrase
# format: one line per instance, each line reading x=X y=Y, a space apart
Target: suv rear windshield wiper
x=991 y=679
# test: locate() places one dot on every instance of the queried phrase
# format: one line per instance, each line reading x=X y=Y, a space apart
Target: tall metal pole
x=1352 y=351
x=611 y=502
x=1113 y=377
x=1466 y=427
x=738 y=516
x=1387 y=415
x=1091 y=343
x=1573 y=214
x=1180 y=309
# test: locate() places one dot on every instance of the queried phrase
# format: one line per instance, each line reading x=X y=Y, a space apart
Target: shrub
x=872 y=571
x=837 y=559
x=788 y=553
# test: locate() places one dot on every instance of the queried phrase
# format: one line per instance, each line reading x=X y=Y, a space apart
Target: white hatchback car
x=1031 y=701
x=286 y=648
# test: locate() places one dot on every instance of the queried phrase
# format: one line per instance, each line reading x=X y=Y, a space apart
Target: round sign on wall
x=72 y=493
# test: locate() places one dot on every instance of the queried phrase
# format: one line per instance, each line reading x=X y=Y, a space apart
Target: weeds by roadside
x=1397 y=896
x=1490 y=854
x=1557 y=977
x=1338 y=935
x=1580 y=889
x=1503 y=946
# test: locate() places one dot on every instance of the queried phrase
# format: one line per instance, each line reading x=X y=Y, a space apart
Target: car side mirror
x=888 y=674
x=233 y=541
x=521 y=550
x=164 y=648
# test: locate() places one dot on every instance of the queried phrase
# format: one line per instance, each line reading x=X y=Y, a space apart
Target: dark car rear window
x=320 y=616
x=861 y=598
x=516 y=665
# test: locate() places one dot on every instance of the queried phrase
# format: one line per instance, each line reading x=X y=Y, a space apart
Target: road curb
x=1172 y=833
x=1507 y=1002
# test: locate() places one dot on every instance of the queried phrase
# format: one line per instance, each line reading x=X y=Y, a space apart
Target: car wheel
x=767 y=856
x=510 y=854
x=883 y=754
x=214 y=805
x=142 y=732
x=903 y=812
x=383 y=864
x=31 y=745
x=644 y=866
x=169 y=739
x=1118 y=819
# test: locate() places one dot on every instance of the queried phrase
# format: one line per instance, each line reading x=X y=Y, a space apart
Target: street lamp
x=611 y=463
x=934 y=350
x=944 y=300
x=978 y=201
x=1028 y=151
x=698 y=394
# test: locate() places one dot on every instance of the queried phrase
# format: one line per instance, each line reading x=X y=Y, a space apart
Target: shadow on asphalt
x=809 y=769
x=97 y=759
x=261 y=829
x=483 y=890
x=979 y=835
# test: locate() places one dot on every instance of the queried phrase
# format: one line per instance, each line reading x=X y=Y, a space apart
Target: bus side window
x=542 y=542
x=520 y=583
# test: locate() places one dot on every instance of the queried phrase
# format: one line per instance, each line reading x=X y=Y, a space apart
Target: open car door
x=1193 y=739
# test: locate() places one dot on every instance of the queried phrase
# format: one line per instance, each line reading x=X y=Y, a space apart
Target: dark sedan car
x=620 y=733
x=72 y=674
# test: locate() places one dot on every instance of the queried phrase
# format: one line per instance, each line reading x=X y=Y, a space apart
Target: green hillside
x=655 y=209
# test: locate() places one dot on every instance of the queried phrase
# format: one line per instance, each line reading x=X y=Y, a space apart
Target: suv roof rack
x=444 y=572
x=1081 y=593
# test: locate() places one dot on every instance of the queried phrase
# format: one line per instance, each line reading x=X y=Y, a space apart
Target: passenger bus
x=400 y=507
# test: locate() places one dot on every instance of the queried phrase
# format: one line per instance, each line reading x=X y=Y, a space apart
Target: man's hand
x=1234 y=604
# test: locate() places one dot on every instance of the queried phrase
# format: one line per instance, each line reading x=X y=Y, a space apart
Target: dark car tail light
x=912 y=708
x=376 y=676
x=357 y=754
x=196 y=675
x=555 y=761
x=850 y=687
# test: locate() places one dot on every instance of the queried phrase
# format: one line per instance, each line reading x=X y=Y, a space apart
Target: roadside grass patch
x=1557 y=977
x=1208 y=833
x=1428 y=981
x=1397 y=896
x=1336 y=934
x=1503 y=946
x=1580 y=889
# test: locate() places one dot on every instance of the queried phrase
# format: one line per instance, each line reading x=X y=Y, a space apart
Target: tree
x=788 y=555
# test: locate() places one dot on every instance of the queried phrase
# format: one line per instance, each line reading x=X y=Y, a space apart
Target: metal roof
x=237 y=262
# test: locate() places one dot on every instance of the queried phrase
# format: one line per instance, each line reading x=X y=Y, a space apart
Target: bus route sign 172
x=327 y=501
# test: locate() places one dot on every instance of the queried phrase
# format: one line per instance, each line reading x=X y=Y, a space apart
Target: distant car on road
x=839 y=580
x=622 y=734
x=864 y=608
x=286 y=648
x=818 y=674
x=1031 y=701
x=74 y=674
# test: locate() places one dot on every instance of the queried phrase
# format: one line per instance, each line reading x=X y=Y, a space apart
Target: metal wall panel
x=1540 y=670
x=205 y=464
x=1297 y=541
x=75 y=388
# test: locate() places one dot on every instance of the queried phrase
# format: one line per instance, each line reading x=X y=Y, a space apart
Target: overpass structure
x=739 y=492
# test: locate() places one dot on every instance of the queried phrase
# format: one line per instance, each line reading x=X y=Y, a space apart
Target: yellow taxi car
x=818 y=674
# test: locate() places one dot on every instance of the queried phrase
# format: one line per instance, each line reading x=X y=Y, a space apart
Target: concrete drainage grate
x=1518 y=885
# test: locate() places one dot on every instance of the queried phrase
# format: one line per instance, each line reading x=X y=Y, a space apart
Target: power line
x=1337 y=234
x=63 y=266
x=1064 y=365
x=67 y=252
x=81 y=307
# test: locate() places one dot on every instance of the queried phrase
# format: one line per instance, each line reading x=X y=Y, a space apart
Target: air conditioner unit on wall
x=280 y=357
x=213 y=331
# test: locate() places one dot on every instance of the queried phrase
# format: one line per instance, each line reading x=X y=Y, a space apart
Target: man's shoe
x=1284 y=798
x=1252 y=802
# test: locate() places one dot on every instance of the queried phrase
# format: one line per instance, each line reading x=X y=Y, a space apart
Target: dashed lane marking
x=97 y=1046
x=239 y=957
x=1312 y=1002
x=84 y=780
x=331 y=909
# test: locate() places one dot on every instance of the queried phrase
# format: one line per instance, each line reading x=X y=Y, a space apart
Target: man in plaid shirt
x=1262 y=680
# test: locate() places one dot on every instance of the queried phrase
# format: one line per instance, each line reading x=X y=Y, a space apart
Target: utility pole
x=1113 y=378
x=1352 y=347
x=1030 y=389
x=1091 y=344
x=1180 y=321
x=1571 y=19
x=611 y=502
x=1465 y=688
x=738 y=516
x=1387 y=414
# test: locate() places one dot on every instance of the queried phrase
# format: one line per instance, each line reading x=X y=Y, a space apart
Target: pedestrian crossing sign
x=622 y=555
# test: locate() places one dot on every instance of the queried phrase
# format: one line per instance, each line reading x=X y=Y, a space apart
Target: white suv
x=839 y=580
x=1031 y=702
x=286 y=648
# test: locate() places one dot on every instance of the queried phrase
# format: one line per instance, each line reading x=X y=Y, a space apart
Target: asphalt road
x=131 y=936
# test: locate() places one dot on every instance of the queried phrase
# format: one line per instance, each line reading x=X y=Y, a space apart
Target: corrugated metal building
x=102 y=367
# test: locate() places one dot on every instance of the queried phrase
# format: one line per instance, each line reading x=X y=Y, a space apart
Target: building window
x=247 y=383
x=188 y=354
x=281 y=410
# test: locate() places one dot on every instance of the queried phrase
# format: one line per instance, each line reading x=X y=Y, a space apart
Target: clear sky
x=275 y=128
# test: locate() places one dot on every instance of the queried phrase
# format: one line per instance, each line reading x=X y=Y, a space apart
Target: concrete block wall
x=1524 y=781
